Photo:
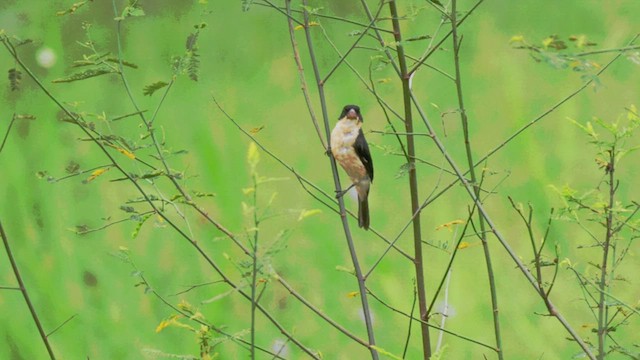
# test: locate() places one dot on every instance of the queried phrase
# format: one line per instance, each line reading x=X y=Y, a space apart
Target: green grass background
x=247 y=64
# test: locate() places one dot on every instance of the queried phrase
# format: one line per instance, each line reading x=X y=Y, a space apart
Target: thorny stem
x=418 y=261
x=343 y=215
x=474 y=180
x=25 y=294
x=603 y=308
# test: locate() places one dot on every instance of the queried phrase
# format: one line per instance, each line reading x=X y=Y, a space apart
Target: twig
x=334 y=170
x=547 y=112
x=428 y=54
x=149 y=126
x=604 y=51
x=467 y=142
x=418 y=261
x=603 y=307
x=413 y=309
x=143 y=193
x=348 y=21
x=304 y=181
x=303 y=82
x=353 y=46
x=552 y=108
x=6 y=135
x=25 y=293
x=330 y=321
x=198 y=319
x=377 y=298
x=61 y=325
x=254 y=264
x=469 y=189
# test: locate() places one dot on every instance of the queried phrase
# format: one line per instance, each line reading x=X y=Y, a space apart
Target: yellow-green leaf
x=516 y=39
x=385 y=352
x=256 y=130
x=307 y=213
x=311 y=23
x=126 y=153
x=253 y=156
x=449 y=225
x=172 y=320
x=96 y=173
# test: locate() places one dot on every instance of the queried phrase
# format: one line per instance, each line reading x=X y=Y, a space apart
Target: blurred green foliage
x=245 y=62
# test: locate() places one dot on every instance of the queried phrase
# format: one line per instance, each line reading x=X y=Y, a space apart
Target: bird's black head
x=351 y=112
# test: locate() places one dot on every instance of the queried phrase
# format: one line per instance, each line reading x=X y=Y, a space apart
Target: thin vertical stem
x=602 y=306
x=254 y=269
x=336 y=179
x=413 y=182
x=25 y=294
x=474 y=180
x=303 y=81
x=525 y=271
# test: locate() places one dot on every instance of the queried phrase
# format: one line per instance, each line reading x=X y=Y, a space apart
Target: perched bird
x=351 y=151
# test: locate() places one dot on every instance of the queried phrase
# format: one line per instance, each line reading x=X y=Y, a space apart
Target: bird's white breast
x=343 y=137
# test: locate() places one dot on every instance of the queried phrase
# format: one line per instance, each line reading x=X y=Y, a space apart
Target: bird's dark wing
x=362 y=150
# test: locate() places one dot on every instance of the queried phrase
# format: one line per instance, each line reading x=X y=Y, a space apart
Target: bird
x=351 y=151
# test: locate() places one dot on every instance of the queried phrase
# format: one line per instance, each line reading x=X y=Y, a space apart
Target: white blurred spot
x=45 y=57
x=361 y=314
x=353 y=193
x=446 y=309
x=281 y=348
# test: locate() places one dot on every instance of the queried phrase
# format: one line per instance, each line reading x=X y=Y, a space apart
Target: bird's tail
x=363 y=212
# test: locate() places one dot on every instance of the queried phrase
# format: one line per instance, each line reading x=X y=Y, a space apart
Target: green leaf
x=246 y=4
x=136 y=231
x=151 y=88
x=132 y=10
x=128 y=209
x=312 y=10
x=15 y=76
x=421 y=37
x=348 y=270
x=404 y=170
x=192 y=41
x=193 y=65
x=438 y=355
x=72 y=167
x=385 y=352
x=84 y=75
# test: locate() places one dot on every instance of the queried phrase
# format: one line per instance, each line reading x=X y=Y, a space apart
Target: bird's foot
x=340 y=194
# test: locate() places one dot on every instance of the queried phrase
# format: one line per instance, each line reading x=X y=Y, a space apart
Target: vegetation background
x=246 y=63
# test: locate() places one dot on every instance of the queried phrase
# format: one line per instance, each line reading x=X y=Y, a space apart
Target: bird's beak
x=352 y=114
